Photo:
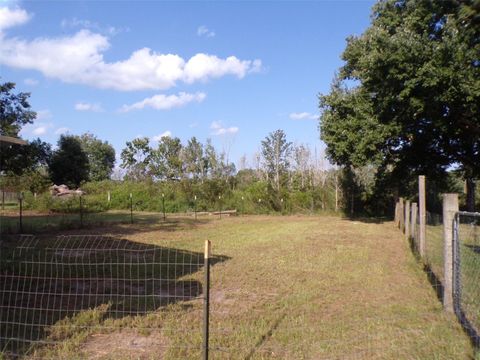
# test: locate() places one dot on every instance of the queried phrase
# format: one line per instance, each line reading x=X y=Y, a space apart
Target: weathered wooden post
x=401 y=210
x=395 y=220
x=422 y=212
x=450 y=208
x=413 y=223
x=407 y=219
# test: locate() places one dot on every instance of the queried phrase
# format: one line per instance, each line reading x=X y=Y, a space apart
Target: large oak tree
x=413 y=103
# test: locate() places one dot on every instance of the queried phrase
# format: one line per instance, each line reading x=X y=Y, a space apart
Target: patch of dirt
x=127 y=344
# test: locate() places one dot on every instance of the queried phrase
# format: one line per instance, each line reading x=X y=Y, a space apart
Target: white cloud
x=204 y=31
x=43 y=114
x=79 y=59
x=219 y=129
x=303 y=116
x=83 y=106
x=159 y=137
x=61 y=130
x=37 y=129
x=165 y=102
x=41 y=130
x=30 y=82
x=87 y=24
x=12 y=17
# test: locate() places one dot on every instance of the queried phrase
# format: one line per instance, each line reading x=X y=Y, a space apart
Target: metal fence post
x=163 y=206
x=20 y=203
x=220 y=203
x=81 y=211
x=131 y=208
x=206 y=302
x=422 y=212
x=195 y=207
x=450 y=208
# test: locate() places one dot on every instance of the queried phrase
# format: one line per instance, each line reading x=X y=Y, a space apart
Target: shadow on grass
x=53 y=285
x=51 y=223
x=367 y=220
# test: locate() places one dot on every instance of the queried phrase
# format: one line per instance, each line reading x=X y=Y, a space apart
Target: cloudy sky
x=229 y=71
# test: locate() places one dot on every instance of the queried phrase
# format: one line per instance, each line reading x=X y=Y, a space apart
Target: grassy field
x=294 y=287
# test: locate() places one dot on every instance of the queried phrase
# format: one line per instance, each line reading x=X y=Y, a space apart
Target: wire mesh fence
x=433 y=257
x=69 y=287
x=467 y=271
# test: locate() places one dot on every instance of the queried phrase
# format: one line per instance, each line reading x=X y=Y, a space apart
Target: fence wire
x=434 y=246
x=467 y=271
x=53 y=290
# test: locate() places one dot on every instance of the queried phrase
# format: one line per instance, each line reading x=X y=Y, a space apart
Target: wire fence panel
x=53 y=291
x=434 y=246
x=467 y=271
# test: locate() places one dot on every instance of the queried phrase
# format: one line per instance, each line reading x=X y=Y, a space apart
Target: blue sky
x=229 y=71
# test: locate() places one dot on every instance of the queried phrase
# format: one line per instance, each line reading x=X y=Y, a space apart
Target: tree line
x=277 y=169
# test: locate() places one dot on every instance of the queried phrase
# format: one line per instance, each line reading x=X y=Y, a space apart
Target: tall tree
x=101 y=156
x=192 y=155
x=415 y=108
x=69 y=164
x=166 y=162
x=276 y=153
x=301 y=157
x=136 y=157
x=15 y=110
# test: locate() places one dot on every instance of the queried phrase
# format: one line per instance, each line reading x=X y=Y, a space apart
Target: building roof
x=11 y=140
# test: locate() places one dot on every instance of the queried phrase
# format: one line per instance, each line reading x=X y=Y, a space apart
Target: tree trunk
x=470 y=194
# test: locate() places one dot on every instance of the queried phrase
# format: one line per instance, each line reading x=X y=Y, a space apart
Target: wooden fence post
x=401 y=211
x=396 y=213
x=413 y=223
x=450 y=208
x=407 y=219
x=422 y=212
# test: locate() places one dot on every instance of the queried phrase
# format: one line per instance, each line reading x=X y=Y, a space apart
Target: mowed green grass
x=294 y=287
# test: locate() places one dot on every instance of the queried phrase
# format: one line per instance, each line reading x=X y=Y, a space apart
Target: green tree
x=136 y=157
x=276 y=153
x=69 y=163
x=414 y=108
x=166 y=162
x=17 y=159
x=101 y=156
x=193 y=157
x=15 y=110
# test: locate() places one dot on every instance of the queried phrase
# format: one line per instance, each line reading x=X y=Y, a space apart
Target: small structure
x=9 y=140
